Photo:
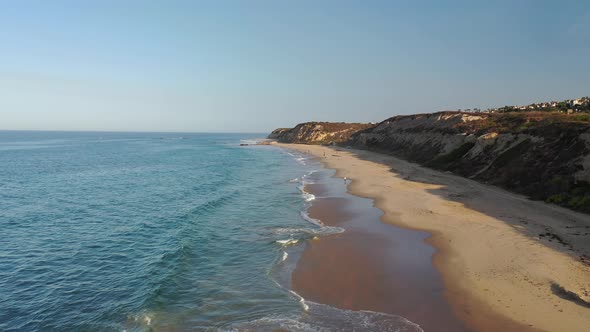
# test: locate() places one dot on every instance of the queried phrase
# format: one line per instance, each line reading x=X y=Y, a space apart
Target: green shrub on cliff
x=580 y=203
x=581 y=117
x=558 y=199
x=576 y=198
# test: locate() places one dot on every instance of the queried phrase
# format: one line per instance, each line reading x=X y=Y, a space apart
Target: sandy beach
x=507 y=263
x=372 y=265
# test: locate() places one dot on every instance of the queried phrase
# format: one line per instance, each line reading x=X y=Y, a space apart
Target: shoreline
x=371 y=265
x=497 y=275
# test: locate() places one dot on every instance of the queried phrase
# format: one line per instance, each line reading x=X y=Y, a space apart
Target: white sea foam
x=301 y=300
x=250 y=141
x=143 y=319
x=309 y=232
x=305 y=178
x=305 y=216
x=301 y=160
x=287 y=242
x=272 y=324
x=308 y=197
x=320 y=317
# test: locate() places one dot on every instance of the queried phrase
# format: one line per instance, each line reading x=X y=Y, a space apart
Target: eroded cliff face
x=544 y=156
x=318 y=132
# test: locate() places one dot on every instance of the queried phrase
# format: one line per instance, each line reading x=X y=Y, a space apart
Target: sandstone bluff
x=545 y=156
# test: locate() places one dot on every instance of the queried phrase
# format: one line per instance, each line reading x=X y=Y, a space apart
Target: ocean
x=158 y=231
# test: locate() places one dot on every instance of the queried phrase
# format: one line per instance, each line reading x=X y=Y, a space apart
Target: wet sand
x=372 y=266
x=495 y=275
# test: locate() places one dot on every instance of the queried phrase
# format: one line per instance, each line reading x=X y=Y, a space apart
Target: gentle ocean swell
x=139 y=232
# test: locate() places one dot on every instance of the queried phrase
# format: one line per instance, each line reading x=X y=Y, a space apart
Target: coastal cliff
x=318 y=132
x=545 y=156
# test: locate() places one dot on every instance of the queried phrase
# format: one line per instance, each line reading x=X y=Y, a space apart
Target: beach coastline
x=370 y=265
x=507 y=263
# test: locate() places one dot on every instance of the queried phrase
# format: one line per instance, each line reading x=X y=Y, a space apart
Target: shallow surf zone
x=314 y=316
x=299 y=158
x=297 y=235
x=319 y=317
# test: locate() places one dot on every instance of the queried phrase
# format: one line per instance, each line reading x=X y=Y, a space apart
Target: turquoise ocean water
x=151 y=231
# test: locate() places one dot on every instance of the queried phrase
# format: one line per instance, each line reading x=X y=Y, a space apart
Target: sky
x=252 y=66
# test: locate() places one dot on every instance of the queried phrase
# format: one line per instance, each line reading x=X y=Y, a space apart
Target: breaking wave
x=320 y=317
x=287 y=242
x=315 y=316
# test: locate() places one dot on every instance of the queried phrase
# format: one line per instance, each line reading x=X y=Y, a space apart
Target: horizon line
x=130 y=131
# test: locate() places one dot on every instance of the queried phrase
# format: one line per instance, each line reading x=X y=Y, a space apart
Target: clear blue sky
x=251 y=66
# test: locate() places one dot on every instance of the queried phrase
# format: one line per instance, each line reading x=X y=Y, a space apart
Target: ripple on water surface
x=134 y=231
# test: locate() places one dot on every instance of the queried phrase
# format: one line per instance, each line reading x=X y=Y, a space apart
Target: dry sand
x=489 y=250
